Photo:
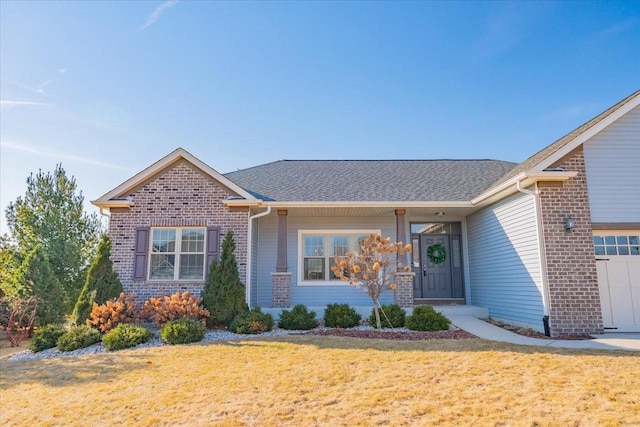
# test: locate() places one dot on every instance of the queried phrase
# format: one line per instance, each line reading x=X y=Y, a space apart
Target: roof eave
x=526 y=179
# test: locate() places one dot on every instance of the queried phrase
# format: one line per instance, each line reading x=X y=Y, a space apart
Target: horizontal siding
x=612 y=161
x=504 y=261
x=254 y=267
x=311 y=295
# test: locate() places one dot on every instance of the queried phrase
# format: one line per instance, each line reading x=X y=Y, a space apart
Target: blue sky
x=107 y=88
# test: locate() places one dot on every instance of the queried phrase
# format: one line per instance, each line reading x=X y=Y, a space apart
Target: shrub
x=125 y=336
x=391 y=316
x=182 y=331
x=109 y=315
x=46 y=337
x=78 y=337
x=425 y=318
x=341 y=316
x=224 y=293
x=101 y=285
x=177 y=306
x=298 y=319
x=252 y=322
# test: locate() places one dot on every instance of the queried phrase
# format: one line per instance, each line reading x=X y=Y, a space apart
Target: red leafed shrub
x=107 y=316
x=177 y=306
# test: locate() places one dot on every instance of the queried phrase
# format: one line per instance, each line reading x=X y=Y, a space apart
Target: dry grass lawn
x=311 y=380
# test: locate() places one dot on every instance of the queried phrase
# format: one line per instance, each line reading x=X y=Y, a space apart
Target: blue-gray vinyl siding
x=504 y=261
x=311 y=295
x=612 y=161
x=253 y=296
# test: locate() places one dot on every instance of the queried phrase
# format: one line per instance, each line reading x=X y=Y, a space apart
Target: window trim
x=177 y=252
x=326 y=233
x=616 y=234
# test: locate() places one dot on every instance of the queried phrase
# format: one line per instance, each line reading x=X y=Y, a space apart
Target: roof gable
x=114 y=197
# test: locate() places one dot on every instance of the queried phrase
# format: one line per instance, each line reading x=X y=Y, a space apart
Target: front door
x=435 y=281
x=436 y=261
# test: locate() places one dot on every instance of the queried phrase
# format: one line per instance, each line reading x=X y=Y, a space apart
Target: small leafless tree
x=372 y=268
x=17 y=316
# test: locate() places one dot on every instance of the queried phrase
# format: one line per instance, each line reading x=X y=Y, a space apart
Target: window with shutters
x=177 y=254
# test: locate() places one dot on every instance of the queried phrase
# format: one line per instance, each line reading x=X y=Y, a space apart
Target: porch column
x=401 y=234
x=281 y=265
x=403 y=294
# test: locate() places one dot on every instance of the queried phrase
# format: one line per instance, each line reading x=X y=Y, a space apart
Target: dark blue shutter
x=141 y=253
x=213 y=246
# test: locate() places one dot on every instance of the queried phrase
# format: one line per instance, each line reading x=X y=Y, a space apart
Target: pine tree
x=224 y=293
x=35 y=277
x=101 y=285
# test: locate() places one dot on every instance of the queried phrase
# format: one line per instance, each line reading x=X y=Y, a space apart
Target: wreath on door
x=437 y=253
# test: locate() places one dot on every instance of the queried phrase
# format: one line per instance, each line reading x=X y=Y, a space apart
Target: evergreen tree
x=51 y=214
x=101 y=285
x=35 y=277
x=224 y=293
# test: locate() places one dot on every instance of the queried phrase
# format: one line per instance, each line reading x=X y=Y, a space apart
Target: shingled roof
x=370 y=180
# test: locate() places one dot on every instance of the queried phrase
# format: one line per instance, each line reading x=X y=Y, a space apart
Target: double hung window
x=177 y=254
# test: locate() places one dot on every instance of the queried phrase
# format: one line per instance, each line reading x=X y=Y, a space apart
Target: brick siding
x=574 y=298
x=403 y=294
x=179 y=196
x=281 y=283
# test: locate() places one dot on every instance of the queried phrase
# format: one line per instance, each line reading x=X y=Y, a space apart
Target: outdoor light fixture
x=439 y=213
x=569 y=223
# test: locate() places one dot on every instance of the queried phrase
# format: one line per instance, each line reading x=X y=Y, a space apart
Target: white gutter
x=542 y=256
x=249 y=250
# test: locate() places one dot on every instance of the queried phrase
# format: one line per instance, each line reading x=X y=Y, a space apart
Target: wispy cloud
x=157 y=13
x=4 y=103
x=59 y=156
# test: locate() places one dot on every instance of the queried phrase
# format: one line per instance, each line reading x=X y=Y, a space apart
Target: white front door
x=618 y=264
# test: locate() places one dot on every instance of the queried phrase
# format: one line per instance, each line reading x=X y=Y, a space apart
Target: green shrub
x=125 y=336
x=252 y=322
x=425 y=318
x=46 y=337
x=391 y=316
x=341 y=316
x=298 y=319
x=182 y=331
x=78 y=337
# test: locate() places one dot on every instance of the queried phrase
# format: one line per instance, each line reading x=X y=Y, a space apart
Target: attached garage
x=618 y=263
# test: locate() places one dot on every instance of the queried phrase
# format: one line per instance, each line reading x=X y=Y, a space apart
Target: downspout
x=249 y=251
x=543 y=257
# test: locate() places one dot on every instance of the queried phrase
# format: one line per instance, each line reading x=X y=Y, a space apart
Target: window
x=177 y=254
x=616 y=245
x=320 y=249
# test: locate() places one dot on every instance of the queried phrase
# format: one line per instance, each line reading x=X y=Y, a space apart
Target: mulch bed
x=395 y=335
x=527 y=332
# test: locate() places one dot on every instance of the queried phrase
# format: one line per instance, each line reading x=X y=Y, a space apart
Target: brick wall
x=179 y=196
x=574 y=298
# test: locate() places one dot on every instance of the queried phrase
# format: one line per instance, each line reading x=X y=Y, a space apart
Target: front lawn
x=317 y=380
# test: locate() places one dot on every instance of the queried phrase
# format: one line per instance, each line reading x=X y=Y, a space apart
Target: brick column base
x=403 y=294
x=281 y=289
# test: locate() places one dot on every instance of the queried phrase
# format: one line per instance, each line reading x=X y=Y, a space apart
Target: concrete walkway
x=607 y=341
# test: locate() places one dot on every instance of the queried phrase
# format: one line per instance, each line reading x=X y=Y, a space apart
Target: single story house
x=552 y=241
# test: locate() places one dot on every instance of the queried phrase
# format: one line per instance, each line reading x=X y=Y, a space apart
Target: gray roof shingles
x=370 y=180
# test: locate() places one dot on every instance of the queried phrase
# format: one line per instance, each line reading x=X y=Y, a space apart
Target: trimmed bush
x=252 y=322
x=125 y=336
x=182 y=331
x=300 y=318
x=391 y=316
x=78 y=337
x=174 y=307
x=341 y=316
x=46 y=337
x=109 y=315
x=425 y=318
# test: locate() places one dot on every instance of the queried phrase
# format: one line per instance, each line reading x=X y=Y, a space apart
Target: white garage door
x=618 y=263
